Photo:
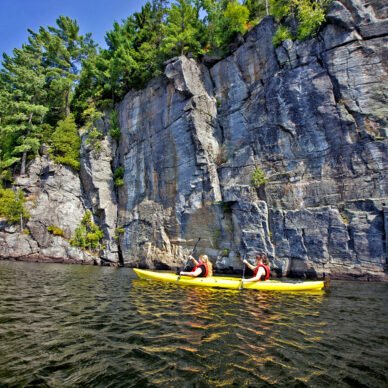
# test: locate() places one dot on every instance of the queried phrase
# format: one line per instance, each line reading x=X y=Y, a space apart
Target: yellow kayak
x=232 y=283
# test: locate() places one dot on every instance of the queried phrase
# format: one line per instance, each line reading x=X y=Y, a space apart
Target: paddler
x=202 y=268
x=260 y=271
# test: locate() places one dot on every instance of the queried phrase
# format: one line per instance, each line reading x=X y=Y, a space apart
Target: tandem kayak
x=232 y=283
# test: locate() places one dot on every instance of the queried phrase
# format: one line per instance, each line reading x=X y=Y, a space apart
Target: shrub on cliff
x=300 y=19
x=88 y=235
x=118 y=176
x=55 y=231
x=65 y=146
x=11 y=205
x=115 y=131
x=258 y=177
x=91 y=115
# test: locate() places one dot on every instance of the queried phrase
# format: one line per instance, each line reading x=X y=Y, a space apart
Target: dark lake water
x=69 y=326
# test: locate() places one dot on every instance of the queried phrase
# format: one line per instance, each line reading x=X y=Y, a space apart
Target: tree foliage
x=65 y=146
x=23 y=95
x=59 y=73
x=64 y=49
x=36 y=85
x=181 y=30
x=88 y=235
x=12 y=205
x=300 y=19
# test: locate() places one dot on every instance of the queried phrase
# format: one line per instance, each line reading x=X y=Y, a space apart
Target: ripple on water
x=85 y=326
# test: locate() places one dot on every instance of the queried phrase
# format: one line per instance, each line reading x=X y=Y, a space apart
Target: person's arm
x=194 y=274
x=194 y=261
x=197 y=272
x=258 y=276
x=246 y=262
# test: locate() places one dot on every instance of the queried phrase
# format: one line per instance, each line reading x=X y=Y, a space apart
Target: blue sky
x=95 y=16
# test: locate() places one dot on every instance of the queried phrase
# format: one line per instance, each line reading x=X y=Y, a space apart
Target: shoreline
x=373 y=278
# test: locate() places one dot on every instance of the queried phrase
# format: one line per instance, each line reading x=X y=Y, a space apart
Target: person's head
x=262 y=259
x=203 y=259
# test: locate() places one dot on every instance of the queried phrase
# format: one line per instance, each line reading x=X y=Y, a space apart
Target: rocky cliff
x=312 y=116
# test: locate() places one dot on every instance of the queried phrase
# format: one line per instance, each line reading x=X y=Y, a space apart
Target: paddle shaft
x=242 y=280
x=187 y=262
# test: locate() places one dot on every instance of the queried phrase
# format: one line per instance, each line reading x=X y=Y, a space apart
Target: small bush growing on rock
x=118 y=176
x=345 y=218
x=310 y=15
x=11 y=205
x=118 y=232
x=88 y=235
x=282 y=34
x=304 y=17
x=91 y=115
x=65 y=145
x=55 y=231
x=258 y=177
x=115 y=132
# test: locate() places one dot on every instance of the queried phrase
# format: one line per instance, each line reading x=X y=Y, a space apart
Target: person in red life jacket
x=260 y=271
x=202 y=268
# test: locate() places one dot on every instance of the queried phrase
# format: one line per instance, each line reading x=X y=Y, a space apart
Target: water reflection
x=86 y=326
x=233 y=334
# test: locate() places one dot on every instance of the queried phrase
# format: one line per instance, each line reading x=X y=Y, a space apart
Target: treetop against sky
x=95 y=16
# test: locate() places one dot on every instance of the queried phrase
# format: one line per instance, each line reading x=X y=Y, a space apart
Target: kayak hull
x=229 y=282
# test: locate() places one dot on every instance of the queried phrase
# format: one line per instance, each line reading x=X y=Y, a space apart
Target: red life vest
x=206 y=270
x=266 y=276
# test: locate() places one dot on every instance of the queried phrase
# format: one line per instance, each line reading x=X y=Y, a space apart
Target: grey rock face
x=54 y=198
x=312 y=116
x=97 y=181
x=168 y=148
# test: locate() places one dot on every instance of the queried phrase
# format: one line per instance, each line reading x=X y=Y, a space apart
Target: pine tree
x=257 y=8
x=23 y=98
x=181 y=30
x=300 y=19
x=131 y=60
x=235 y=19
x=64 y=50
x=66 y=143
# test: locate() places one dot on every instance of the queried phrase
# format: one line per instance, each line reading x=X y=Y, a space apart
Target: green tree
x=64 y=50
x=310 y=16
x=236 y=16
x=65 y=146
x=257 y=8
x=91 y=115
x=132 y=58
x=212 y=23
x=224 y=20
x=115 y=131
x=22 y=101
x=300 y=19
x=180 y=30
x=88 y=235
x=12 y=206
x=149 y=34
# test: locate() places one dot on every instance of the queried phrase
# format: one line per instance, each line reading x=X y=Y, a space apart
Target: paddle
x=187 y=262
x=242 y=279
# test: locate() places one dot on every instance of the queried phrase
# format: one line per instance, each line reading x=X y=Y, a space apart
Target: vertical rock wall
x=169 y=141
x=313 y=116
